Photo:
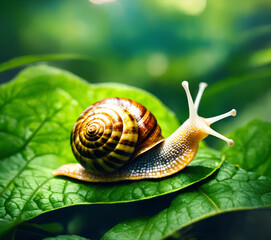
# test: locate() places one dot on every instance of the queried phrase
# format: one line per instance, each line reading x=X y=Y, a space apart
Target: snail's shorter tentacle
x=219 y=117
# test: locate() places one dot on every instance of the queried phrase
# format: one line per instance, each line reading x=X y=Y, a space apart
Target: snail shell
x=111 y=132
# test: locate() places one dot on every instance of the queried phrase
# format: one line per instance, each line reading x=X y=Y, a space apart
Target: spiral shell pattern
x=104 y=138
x=112 y=131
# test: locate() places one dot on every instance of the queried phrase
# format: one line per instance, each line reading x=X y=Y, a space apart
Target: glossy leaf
x=252 y=147
x=230 y=189
x=37 y=112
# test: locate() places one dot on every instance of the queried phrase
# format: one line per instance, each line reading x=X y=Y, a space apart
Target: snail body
x=119 y=139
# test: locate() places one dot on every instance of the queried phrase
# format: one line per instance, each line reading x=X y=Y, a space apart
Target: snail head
x=202 y=125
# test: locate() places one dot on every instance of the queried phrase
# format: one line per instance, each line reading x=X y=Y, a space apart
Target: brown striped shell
x=111 y=132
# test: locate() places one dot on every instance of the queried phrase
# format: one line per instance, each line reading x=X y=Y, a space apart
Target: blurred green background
x=155 y=45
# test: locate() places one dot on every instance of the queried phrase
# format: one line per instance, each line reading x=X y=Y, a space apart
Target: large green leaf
x=37 y=112
x=231 y=189
x=252 y=149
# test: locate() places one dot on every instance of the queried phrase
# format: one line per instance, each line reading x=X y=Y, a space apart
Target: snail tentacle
x=203 y=124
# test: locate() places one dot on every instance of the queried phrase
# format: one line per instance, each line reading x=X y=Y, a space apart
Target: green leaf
x=37 y=112
x=230 y=189
x=20 y=61
x=252 y=149
x=66 y=237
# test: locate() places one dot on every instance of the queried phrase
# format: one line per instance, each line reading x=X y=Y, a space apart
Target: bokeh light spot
x=192 y=7
x=157 y=64
x=101 y=1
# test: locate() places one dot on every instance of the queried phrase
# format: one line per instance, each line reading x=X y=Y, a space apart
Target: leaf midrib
x=209 y=199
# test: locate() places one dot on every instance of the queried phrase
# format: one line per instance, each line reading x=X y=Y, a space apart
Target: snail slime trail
x=118 y=139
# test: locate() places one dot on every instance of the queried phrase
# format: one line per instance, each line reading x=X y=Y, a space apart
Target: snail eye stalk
x=203 y=124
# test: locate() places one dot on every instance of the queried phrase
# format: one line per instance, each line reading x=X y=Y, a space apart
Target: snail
x=118 y=139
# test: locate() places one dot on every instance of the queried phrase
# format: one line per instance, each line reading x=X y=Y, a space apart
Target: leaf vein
x=25 y=144
x=17 y=219
x=141 y=232
x=209 y=199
